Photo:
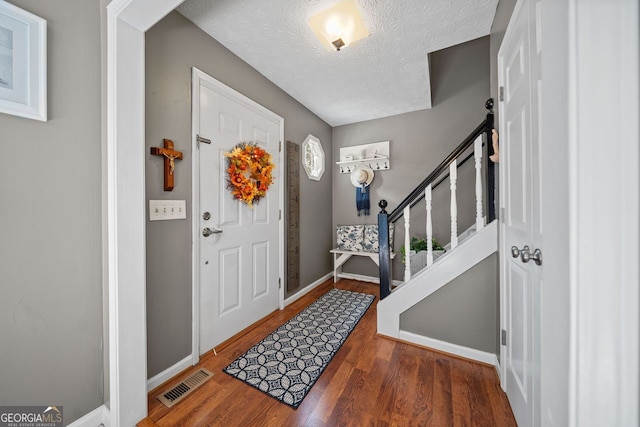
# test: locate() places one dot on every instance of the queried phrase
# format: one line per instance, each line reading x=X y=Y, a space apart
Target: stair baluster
x=427 y=198
x=407 y=244
x=477 y=152
x=453 y=177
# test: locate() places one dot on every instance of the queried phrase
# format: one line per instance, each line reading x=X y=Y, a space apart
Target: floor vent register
x=180 y=391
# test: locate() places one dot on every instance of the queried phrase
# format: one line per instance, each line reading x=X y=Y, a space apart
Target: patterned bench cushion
x=360 y=238
x=371 y=237
x=350 y=237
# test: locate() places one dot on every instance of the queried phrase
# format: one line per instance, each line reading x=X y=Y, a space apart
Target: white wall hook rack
x=374 y=155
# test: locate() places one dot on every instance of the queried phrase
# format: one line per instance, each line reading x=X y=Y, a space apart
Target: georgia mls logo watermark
x=30 y=416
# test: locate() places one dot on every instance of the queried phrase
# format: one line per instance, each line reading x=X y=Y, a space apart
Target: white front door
x=239 y=264
x=521 y=226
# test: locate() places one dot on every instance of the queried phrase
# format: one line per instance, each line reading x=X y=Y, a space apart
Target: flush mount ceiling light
x=339 y=26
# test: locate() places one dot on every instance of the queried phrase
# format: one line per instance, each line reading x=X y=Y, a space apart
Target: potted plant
x=418 y=254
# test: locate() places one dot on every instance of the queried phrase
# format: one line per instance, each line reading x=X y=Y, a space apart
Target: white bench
x=340 y=257
x=356 y=240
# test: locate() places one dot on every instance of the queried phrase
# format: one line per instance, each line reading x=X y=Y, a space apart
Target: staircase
x=475 y=248
x=464 y=251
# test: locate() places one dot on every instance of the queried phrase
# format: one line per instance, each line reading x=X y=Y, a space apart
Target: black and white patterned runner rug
x=287 y=363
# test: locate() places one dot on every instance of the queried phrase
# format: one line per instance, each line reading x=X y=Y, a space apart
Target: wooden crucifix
x=170 y=155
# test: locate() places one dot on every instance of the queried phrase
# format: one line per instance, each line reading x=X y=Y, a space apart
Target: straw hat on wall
x=362 y=176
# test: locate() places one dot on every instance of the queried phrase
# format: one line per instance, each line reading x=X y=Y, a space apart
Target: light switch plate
x=161 y=210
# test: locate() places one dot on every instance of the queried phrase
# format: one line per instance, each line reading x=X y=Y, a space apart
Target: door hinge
x=279 y=283
x=501 y=93
x=200 y=139
x=279 y=214
x=279 y=146
x=502 y=215
x=503 y=337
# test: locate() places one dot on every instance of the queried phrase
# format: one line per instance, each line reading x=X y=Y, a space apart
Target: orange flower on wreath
x=249 y=170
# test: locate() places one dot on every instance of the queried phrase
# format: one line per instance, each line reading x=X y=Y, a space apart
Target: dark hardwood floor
x=371 y=381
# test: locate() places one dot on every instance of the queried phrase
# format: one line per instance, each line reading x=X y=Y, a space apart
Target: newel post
x=491 y=175
x=384 y=252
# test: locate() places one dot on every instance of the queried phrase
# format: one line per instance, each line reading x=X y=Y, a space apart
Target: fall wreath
x=250 y=172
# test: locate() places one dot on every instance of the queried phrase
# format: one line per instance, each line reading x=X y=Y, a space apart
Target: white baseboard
x=364 y=278
x=359 y=277
x=307 y=289
x=106 y=416
x=98 y=417
x=499 y=370
x=169 y=373
x=328 y=276
x=458 y=350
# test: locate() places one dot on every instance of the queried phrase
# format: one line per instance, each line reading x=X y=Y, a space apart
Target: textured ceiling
x=382 y=75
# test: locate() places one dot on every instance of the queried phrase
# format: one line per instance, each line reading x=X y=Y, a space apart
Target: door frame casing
x=127 y=21
x=196 y=76
x=604 y=212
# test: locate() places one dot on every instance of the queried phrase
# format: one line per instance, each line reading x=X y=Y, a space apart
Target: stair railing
x=448 y=168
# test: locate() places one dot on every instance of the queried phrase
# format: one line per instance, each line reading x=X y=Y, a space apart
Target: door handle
x=526 y=255
x=206 y=232
x=536 y=256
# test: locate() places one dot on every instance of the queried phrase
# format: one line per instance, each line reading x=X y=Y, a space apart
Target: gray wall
x=174 y=45
x=464 y=312
x=419 y=142
x=51 y=226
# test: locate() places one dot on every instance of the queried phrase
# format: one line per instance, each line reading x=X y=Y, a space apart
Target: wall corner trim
x=447 y=347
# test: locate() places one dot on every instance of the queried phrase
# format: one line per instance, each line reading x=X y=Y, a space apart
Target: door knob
x=527 y=256
x=206 y=232
x=536 y=256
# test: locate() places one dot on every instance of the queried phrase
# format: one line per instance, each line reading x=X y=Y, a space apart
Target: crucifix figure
x=170 y=155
